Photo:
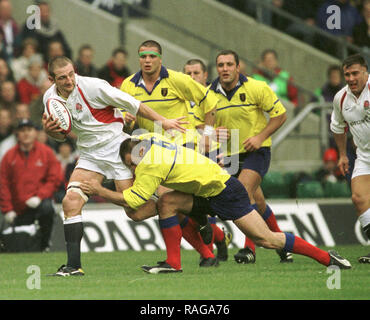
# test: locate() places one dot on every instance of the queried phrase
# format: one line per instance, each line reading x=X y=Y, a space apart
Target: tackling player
x=200 y=186
x=168 y=92
x=351 y=110
x=98 y=125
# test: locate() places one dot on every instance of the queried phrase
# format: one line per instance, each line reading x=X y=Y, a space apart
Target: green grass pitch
x=117 y=275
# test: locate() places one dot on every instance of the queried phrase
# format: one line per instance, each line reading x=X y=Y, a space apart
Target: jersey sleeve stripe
x=203 y=98
x=237 y=105
x=138 y=195
x=105 y=115
x=173 y=164
x=159 y=100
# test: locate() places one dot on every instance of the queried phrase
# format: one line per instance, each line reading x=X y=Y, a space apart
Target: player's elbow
x=133 y=214
x=283 y=118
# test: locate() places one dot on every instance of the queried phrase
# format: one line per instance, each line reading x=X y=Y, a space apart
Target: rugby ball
x=58 y=110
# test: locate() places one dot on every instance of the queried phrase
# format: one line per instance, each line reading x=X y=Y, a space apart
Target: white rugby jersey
x=354 y=113
x=93 y=106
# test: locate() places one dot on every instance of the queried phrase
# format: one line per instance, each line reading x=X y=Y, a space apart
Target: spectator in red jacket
x=115 y=71
x=29 y=176
x=29 y=86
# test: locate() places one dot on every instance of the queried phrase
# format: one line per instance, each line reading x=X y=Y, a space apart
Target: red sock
x=218 y=233
x=298 y=245
x=250 y=244
x=191 y=235
x=270 y=219
x=171 y=232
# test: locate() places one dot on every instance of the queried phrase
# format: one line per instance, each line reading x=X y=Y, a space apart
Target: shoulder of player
x=92 y=88
x=175 y=76
x=49 y=93
x=255 y=84
x=341 y=94
x=90 y=83
x=129 y=79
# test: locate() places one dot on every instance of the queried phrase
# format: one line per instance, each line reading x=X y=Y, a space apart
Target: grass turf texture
x=117 y=275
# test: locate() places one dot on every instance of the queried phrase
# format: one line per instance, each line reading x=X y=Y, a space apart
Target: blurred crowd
x=353 y=25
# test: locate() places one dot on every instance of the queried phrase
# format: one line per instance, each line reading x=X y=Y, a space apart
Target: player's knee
x=165 y=202
x=358 y=200
x=135 y=217
x=71 y=204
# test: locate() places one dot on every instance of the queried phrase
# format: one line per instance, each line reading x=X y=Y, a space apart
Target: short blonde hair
x=58 y=62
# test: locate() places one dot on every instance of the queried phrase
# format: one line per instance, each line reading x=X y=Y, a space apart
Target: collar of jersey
x=216 y=86
x=138 y=79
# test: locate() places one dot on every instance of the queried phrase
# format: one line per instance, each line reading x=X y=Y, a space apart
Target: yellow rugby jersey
x=174 y=167
x=170 y=98
x=243 y=108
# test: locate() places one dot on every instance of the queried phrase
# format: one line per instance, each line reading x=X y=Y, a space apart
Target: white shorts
x=106 y=161
x=361 y=168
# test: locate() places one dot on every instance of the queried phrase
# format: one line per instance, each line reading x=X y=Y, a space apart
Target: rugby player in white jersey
x=351 y=109
x=97 y=121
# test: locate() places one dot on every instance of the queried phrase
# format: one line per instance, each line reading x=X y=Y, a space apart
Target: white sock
x=364 y=218
x=74 y=219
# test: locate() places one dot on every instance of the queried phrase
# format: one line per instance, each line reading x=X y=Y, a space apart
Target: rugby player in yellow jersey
x=242 y=105
x=168 y=92
x=197 y=70
x=200 y=185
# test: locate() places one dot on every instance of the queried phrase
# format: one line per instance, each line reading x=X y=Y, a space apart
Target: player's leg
x=190 y=232
x=221 y=239
x=268 y=215
x=250 y=180
x=361 y=199
x=72 y=204
x=169 y=204
x=253 y=226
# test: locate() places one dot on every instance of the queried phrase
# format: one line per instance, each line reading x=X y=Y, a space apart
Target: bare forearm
x=113 y=196
x=273 y=125
x=341 y=141
x=149 y=113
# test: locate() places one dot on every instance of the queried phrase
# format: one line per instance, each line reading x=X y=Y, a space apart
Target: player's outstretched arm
x=167 y=124
x=93 y=187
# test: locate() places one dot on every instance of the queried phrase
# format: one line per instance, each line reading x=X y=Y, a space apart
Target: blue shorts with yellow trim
x=231 y=204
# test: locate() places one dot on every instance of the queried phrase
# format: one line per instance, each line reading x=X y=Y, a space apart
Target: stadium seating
x=274 y=185
x=337 y=190
x=310 y=189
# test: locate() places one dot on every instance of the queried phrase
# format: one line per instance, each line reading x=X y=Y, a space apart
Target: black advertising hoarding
x=107 y=228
